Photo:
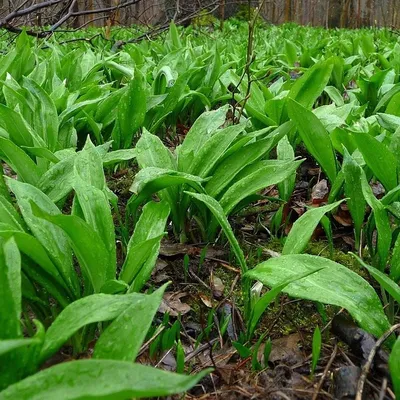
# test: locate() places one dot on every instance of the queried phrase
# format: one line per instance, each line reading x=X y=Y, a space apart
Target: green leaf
x=9 y=215
x=285 y=151
x=333 y=284
x=90 y=309
x=89 y=166
x=379 y=159
x=117 y=156
x=219 y=215
x=45 y=115
x=57 y=181
x=132 y=109
x=201 y=130
x=123 y=338
x=388 y=284
x=151 y=224
x=97 y=213
x=265 y=300
x=10 y=290
x=304 y=227
x=315 y=137
x=151 y=180
x=236 y=162
x=88 y=246
x=255 y=178
x=382 y=222
x=309 y=87
x=394 y=366
x=137 y=257
x=100 y=379
x=18 y=129
x=395 y=262
x=213 y=149
x=316 y=348
x=353 y=190
x=21 y=163
x=42 y=152
x=51 y=237
x=7 y=346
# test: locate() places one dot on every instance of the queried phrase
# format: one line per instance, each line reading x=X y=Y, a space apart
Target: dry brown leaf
x=320 y=192
x=172 y=304
x=206 y=300
x=217 y=287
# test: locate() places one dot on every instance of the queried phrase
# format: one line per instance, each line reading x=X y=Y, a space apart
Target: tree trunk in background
x=344 y=17
x=369 y=13
x=328 y=13
x=288 y=10
x=222 y=13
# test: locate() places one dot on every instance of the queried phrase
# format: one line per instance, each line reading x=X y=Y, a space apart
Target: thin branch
x=368 y=364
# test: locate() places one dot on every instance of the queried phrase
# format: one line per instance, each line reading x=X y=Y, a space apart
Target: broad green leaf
x=22 y=164
x=201 y=130
x=315 y=137
x=232 y=165
x=151 y=152
x=93 y=256
x=304 y=227
x=97 y=213
x=31 y=247
x=51 y=237
x=138 y=255
x=353 y=190
x=388 y=284
x=309 y=87
x=151 y=180
x=213 y=149
x=90 y=309
x=18 y=129
x=395 y=261
x=45 y=115
x=118 y=156
x=42 y=152
x=132 y=109
x=89 y=166
x=10 y=290
x=100 y=379
x=378 y=158
x=394 y=367
x=9 y=215
x=151 y=224
x=219 y=215
x=316 y=348
x=263 y=302
x=261 y=176
x=381 y=220
x=285 y=152
x=7 y=346
x=333 y=284
x=57 y=182
x=123 y=338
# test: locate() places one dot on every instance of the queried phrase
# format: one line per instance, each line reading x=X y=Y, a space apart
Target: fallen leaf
x=284 y=350
x=206 y=300
x=172 y=304
x=320 y=192
x=217 y=287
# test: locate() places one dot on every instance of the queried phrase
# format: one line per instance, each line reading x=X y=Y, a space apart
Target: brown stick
x=367 y=365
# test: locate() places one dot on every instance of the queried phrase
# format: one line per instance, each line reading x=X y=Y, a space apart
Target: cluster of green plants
x=206 y=132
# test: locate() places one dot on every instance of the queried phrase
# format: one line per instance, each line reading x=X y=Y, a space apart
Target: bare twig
x=325 y=373
x=368 y=364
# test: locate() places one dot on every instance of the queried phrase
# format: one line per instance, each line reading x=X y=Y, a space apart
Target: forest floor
x=205 y=290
